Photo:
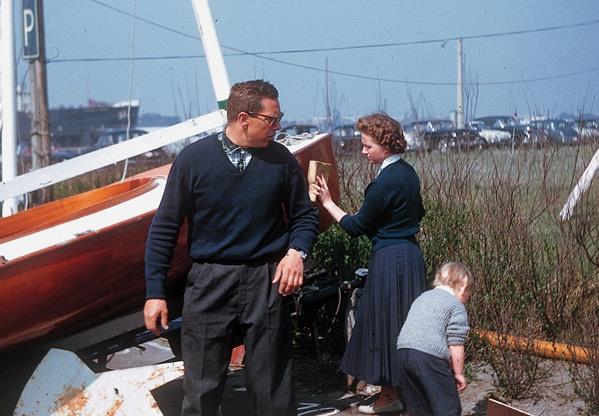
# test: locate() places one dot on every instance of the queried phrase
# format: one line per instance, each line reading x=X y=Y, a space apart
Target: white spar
x=103 y=157
x=214 y=55
x=582 y=185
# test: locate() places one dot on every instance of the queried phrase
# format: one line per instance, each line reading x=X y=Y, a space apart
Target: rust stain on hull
x=72 y=401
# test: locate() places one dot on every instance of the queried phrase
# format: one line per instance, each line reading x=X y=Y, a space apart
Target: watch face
x=301 y=252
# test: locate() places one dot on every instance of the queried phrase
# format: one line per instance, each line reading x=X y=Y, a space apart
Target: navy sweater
x=233 y=217
x=392 y=207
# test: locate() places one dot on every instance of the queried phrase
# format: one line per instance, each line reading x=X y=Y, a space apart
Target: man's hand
x=156 y=315
x=290 y=272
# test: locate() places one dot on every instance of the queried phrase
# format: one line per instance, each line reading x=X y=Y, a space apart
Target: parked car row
x=442 y=135
x=481 y=132
x=588 y=129
x=499 y=130
x=550 y=131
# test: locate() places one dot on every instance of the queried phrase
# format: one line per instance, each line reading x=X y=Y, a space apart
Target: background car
x=347 y=138
x=442 y=135
x=109 y=137
x=588 y=129
x=551 y=131
x=414 y=140
x=57 y=154
x=499 y=130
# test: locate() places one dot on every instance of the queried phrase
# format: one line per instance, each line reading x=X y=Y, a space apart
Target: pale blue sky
x=88 y=29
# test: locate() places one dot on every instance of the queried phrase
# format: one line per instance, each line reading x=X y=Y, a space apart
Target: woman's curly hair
x=385 y=130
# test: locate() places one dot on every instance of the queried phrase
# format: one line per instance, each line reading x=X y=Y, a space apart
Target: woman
x=390 y=216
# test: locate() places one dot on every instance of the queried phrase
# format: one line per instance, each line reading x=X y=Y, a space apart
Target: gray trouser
x=427 y=384
x=225 y=303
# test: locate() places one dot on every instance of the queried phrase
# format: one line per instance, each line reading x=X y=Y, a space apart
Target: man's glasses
x=270 y=120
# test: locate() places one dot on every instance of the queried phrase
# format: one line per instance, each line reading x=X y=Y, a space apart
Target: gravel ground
x=321 y=385
x=553 y=397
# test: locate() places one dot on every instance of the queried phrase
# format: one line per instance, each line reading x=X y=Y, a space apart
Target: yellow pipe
x=542 y=348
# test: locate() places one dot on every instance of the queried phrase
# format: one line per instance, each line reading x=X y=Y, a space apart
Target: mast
x=9 y=100
x=214 y=56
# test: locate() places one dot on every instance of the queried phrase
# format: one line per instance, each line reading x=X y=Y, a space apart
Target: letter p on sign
x=30 y=30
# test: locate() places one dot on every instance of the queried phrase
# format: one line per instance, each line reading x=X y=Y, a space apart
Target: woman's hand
x=321 y=189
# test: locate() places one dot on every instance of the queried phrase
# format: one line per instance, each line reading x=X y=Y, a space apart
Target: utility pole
x=40 y=126
x=327 y=99
x=460 y=92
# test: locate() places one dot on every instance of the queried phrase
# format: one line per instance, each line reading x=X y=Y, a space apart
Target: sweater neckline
x=228 y=164
x=446 y=289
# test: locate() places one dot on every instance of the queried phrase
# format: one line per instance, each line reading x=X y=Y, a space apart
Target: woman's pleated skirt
x=396 y=276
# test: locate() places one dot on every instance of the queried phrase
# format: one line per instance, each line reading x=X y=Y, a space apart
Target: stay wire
x=131 y=60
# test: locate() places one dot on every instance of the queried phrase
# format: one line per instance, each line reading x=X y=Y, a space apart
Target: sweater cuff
x=155 y=290
x=456 y=339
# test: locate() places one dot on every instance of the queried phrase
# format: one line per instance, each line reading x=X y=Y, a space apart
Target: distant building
x=78 y=126
x=156 y=120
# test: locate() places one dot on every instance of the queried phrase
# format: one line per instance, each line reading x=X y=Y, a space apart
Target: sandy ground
x=554 y=396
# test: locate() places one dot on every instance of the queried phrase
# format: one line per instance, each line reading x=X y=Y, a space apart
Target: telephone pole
x=460 y=93
x=40 y=126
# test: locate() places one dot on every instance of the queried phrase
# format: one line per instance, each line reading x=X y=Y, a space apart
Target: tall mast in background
x=9 y=100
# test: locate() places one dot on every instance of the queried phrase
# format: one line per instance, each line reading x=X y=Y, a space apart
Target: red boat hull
x=98 y=275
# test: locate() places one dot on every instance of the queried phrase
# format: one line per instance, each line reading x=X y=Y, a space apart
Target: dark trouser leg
x=206 y=336
x=414 y=394
x=267 y=342
x=434 y=378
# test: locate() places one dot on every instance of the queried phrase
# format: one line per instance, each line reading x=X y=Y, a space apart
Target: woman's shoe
x=372 y=409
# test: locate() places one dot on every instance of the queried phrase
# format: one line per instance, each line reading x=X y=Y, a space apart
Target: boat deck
x=102 y=215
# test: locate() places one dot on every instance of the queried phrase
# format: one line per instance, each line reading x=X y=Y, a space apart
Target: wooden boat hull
x=98 y=274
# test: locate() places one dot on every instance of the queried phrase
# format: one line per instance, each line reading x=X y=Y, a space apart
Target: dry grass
x=498 y=211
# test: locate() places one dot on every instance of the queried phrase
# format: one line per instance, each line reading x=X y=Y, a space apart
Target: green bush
x=340 y=254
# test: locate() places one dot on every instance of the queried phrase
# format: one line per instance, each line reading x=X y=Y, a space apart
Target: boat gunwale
x=73 y=207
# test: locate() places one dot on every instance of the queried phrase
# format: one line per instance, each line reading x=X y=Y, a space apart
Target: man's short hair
x=247 y=96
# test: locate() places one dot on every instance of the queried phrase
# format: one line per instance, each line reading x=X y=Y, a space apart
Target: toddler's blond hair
x=453 y=274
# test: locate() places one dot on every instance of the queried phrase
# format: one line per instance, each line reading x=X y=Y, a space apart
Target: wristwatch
x=301 y=252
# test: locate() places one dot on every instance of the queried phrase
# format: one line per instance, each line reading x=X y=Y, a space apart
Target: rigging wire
x=260 y=54
x=131 y=53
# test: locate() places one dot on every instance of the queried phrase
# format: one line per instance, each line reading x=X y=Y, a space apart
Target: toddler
x=431 y=345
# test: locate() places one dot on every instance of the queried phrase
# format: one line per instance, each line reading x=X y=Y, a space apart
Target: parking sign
x=31 y=48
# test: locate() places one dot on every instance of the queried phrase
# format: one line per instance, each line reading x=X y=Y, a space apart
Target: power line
x=366 y=46
x=345 y=74
x=260 y=54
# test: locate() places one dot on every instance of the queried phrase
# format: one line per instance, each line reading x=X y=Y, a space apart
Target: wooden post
x=40 y=125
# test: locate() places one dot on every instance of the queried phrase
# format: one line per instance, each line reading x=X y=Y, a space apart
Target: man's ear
x=242 y=118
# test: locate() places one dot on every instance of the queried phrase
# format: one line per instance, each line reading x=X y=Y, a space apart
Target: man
x=250 y=226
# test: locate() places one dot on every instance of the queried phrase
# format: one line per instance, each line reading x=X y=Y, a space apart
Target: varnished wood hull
x=97 y=275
